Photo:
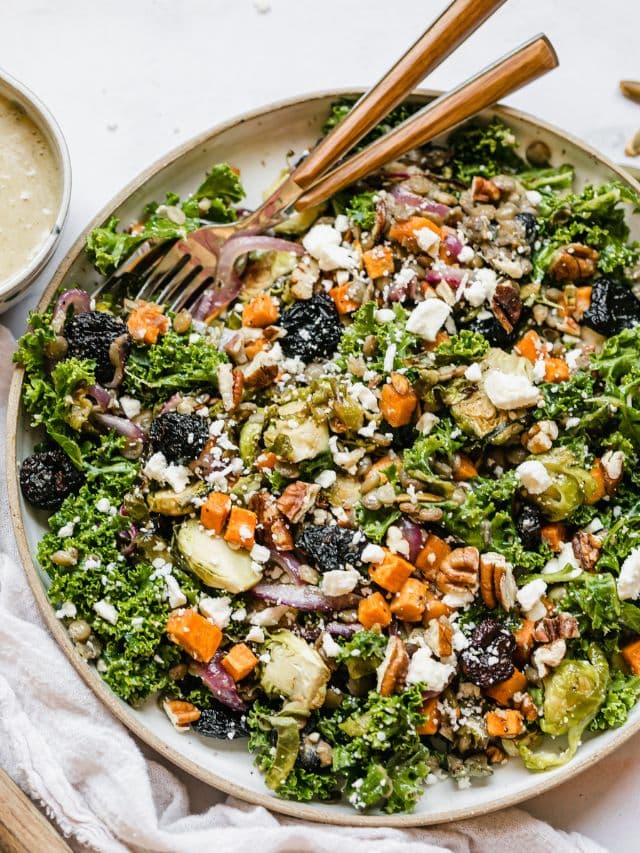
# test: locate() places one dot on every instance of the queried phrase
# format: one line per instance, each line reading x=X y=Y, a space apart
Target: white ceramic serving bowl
x=258 y=143
x=15 y=288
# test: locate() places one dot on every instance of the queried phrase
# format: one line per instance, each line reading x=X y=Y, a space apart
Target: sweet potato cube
x=410 y=602
x=378 y=261
x=198 y=637
x=374 y=610
x=398 y=401
x=431 y=556
x=261 y=311
x=239 y=662
x=631 y=654
x=405 y=232
x=340 y=295
x=525 y=640
x=530 y=346
x=147 y=322
x=215 y=511
x=506 y=722
x=435 y=608
x=241 y=527
x=463 y=468
x=554 y=534
x=392 y=572
x=556 y=370
x=432 y=717
x=504 y=692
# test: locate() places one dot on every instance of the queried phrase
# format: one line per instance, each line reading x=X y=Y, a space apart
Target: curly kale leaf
x=622 y=694
x=212 y=201
x=388 y=334
x=484 y=150
x=465 y=347
x=550 y=179
x=176 y=362
x=440 y=445
x=374 y=523
x=363 y=653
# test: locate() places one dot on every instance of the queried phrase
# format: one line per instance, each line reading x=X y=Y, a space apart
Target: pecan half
x=548 y=657
x=586 y=548
x=527 y=707
x=507 y=306
x=459 y=572
x=180 y=713
x=392 y=672
x=612 y=467
x=540 y=437
x=297 y=499
x=261 y=371
x=564 y=626
x=484 y=190
x=439 y=636
x=573 y=262
x=497 y=584
x=272 y=525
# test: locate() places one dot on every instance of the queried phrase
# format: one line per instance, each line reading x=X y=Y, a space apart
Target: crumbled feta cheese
x=389 y=358
x=458 y=599
x=534 y=476
x=326 y=479
x=426 y=422
x=629 y=577
x=372 y=554
x=466 y=254
x=539 y=369
x=176 y=476
x=68 y=610
x=259 y=553
x=423 y=669
x=106 y=611
x=564 y=557
x=365 y=396
x=341 y=223
x=572 y=422
x=384 y=315
x=474 y=372
x=573 y=357
x=533 y=197
x=396 y=541
x=216 y=610
x=103 y=505
x=339 y=582
x=66 y=530
x=323 y=243
x=130 y=406
x=530 y=599
x=428 y=241
x=481 y=287
x=255 y=635
x=239 y=615
x=427 y=318
x=329 y=646
x=509 y=390
x=177 y=598
x=269 y=616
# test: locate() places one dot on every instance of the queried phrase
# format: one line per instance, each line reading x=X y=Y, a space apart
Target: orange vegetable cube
x=631 y=654
x=374 y=610
x=600 y=489
x=530 y=346
x=266 y=460
x=252 y=348
x=504 y=691
x=147 y=322
x=556 y=370
x=432 y=717
x=525 y=640
x=398 y=400
x=340 y=295
x=241 y=527
x=198 y=637
x=463 y=468
x=506 y=723
x=554 y=534
x=409 y=604
x=392 y=572
x=405 y=232
x=429 y=559
x=435 y=608
x=215 y=511
x=378 y=261
x=261 y=311
x=239 y=662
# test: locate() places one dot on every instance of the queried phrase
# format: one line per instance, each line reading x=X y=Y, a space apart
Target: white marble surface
x=129 y=80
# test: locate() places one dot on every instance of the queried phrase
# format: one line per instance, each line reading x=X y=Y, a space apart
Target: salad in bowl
x=378 y=517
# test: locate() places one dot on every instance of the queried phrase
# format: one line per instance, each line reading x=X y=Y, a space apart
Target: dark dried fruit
x=219 y=722
x=331 y=547
x=90 y=335
x=48 y=477
x=315 y=755
x=529 y=525
x=180 y=437
x=488 y=660
x=493 y=332
x=313 y=329
x=613 y=307
x=507 y=306
x=529 y=226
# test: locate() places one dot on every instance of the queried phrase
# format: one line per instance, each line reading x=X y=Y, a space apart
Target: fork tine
x=146 y=255
x=204 y=277
x=181 y=278
x=162 y=274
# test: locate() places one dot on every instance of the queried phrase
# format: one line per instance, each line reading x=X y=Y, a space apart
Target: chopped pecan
x=540 y=437
x=272 y=526
x=497 y=584
x=180 y=713
x=612 y=468
x=439 y=636
x=297 y=499
x=495 y=755
x=459 y=572
x=507 y=306
x=392 y=672
x=231 y=386
x=564 y=626
x=573 y=262
x=548 y=657
x=484 y=190
x=234 y=348
x=527 y=707
x=586 y=548
x=261 y=371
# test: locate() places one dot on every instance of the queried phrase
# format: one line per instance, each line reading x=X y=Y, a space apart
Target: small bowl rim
x=46 y=122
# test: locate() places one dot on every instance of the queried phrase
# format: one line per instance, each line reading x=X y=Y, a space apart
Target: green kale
x=594 y=599
x=576 y=397
x=361 y=209
x=596 y=217
x=622 y=694
x=463 y=348
x=175 y=363
x=388 y=334
x=31 y=351
x=483 y=150
x=339 y=110
x=553 y=178
x=444 y=440
x=374 y=523
x=363 y=653
x=212 y=201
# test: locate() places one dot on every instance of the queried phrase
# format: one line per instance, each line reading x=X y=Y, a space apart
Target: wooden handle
x=23 y=829
x=456 y=23
x=523 y=65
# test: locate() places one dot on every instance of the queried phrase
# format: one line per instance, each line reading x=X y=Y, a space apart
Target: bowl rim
x=321 y=813
x=46 y=122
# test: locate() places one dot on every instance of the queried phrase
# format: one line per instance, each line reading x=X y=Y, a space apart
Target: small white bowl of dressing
x=35 y=188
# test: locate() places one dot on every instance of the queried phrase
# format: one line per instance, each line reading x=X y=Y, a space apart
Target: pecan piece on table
x=392 y=672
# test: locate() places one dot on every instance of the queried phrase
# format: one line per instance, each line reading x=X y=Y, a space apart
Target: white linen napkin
x=90 y=775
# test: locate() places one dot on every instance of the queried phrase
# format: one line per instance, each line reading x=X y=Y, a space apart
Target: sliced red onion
x=424 y=205
x=172 y=403
x=76 y=298
x=228 y=283
x=289 y=563
x=123 y=426
x=100 y=395
x=118 y=352
x=219 y=682
x=126 y=540
x=453 y=244
x=413 y=536
x=341 y=629
x=433 y=277
x=302 y=597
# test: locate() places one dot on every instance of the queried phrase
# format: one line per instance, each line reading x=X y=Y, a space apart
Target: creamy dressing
x=30 y=187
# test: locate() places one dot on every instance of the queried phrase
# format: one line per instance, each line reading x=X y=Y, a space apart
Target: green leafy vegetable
x=483 y=150
x=439 y=445
x=339 y=110
x=387 y=334
x=553 y=178
x=374 y=523
x=622 y=694
x=464 y=347
x=363 y=653
x=361 y=209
